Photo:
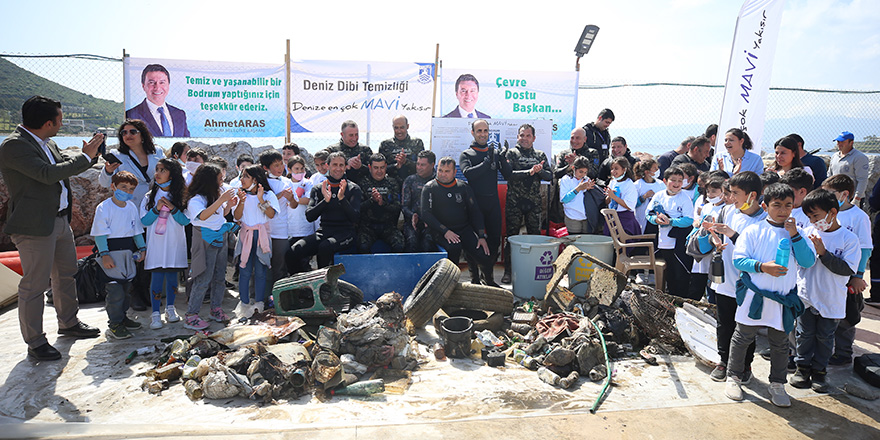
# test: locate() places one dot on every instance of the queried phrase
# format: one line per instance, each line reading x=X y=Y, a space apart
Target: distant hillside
x=19 y=84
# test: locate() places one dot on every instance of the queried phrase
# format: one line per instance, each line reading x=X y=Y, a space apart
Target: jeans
x=815 y=340
x=213 y=279
x=166 y=279
x=117 y=301
x=259 y=271
x=743 y=336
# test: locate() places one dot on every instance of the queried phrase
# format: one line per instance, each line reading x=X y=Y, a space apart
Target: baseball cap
x=845 y=136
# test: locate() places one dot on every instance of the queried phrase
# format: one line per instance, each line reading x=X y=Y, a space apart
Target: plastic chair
x=624 y=241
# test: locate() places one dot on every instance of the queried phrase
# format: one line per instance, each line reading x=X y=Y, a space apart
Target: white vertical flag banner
x=748 y=73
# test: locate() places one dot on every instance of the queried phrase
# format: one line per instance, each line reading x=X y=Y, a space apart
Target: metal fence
x=652 y=116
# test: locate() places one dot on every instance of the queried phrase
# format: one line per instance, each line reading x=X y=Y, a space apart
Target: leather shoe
x=80 y=330
x=44 y=352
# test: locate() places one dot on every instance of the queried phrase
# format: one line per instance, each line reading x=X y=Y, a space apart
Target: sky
x=824 y=44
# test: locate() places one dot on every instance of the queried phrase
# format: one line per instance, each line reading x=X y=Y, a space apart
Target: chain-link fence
x=653 y=117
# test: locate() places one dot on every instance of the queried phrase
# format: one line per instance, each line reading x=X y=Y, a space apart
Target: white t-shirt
x=251 y=215
x=628 y=193
x=166 y=251
x=575 y=208
x=823 y=289
x=116 y=221
x=857 y=222
x=642 y=188
x=737 y=221
x=706 y=210
x=800 y=218
x=199 y=203
x=297 y=225
x=675 y=206
x=278 y=224
x=760 y=241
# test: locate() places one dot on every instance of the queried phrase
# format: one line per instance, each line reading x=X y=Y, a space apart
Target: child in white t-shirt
x=206 y=207
x=117 y=226
x=672 y=211
x=622 y=195
x=257 y=206
x=649 y=183
x=768 y=255
x=856 y=221
x=823 y=289
x=706 y=212
x=162 y=214
x=298 y=227
x=571 y=194
x=272 y=162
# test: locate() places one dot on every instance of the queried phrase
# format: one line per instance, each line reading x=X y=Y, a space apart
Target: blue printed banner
x=183 y=98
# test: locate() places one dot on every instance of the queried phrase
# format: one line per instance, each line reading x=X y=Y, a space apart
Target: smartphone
x=110 y=158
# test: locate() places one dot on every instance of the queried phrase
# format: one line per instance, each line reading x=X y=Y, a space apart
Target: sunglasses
x=132 y=132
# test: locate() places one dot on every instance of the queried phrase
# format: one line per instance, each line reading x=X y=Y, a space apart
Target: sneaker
x=218 y=315
x=819 y=384
x=778 y=396
x=505 y=279
x=765 y=353
x=792 y=366
x=839 y=360
x=156 y=321
x=171 y=314
x=733 y=389
x=801 y=378
x=747 y=377
x=873 y=302
x=258 y=307
x=719 y=374
x=131 y=324
x=193 y=322
x=117 y=331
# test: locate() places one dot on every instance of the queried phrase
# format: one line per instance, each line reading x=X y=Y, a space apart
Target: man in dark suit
x=36 y=173
x=467 y=91
x=153 y=110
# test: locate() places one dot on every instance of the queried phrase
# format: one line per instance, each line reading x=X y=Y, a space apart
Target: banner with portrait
x=324 y=94
x=468 y=93
x=195 y=99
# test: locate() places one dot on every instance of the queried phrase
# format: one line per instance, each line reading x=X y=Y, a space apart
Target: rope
x=715 y=86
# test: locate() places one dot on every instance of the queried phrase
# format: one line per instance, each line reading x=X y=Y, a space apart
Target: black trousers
x=324 y=244
x=468 y=244
x=490 y=207
x=726 y=324
x=677 y=276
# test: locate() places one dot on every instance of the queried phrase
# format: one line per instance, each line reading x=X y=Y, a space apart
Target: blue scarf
x=792 y=306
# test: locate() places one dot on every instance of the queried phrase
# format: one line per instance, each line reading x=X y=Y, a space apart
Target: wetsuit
x=418 y=239
x=452 y=207
x=338 y=221
x=379 y=222
x=480 y=165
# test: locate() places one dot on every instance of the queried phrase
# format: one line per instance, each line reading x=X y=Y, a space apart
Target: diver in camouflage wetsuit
x=380 y=209
x=357 y=155
x=529 y=167
x=401 y=151
x=417 y=234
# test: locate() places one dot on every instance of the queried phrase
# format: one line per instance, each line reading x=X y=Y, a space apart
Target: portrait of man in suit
x=467 y=91
x=163 y=119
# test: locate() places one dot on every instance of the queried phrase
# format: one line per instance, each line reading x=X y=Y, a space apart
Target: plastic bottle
x=489 y=339
x=364 y=388
x=162 y=222
x=783 y=252
x=190 y=366
x=548 y=376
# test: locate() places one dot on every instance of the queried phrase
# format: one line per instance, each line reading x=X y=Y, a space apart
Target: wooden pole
x=436 y=68
x=287 y=77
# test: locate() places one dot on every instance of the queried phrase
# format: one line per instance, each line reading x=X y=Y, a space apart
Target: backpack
x=88 y=277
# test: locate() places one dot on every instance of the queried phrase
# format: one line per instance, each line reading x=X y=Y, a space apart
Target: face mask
x=685 y=183
x=745 y=206
x=298 y=176
x=657 y=174
x=192 y=167
x=122 y=196
x=823 y=224
x=714 y=200
x=164 y=185
x=620 y=179
x=840 y=203
x=252 y=188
